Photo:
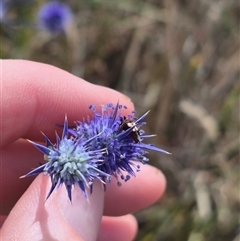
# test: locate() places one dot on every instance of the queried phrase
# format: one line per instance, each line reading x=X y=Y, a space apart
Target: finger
x=17 y=159
x=133 y=195
x=137 y=193
x=2 y=219
x=57 y=218
x=36 y=97
x=122 y=228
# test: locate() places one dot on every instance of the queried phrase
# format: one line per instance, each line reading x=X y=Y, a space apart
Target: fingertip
x=139 y=192
x=118 y=228
x=55 y=218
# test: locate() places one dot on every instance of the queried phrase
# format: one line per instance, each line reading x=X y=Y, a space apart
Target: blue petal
x=147 y=136
x=48 y=142
x=35 y=171
x=40 y=147
x=81 y=185
x=69 y=191
x=113 y=117
x=65 y=128
x=73 y=132
x=89 y=140
x=51 y=190
x=142 y=117
x=57 y=140
x=151 y=147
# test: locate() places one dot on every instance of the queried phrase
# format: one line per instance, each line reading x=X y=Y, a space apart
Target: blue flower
x=70 y=162
x=3 y=10
x=121 y=137
x=108 y=145
x=54 y=16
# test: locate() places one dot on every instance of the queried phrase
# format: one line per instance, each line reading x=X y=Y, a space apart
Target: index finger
x=35 y=97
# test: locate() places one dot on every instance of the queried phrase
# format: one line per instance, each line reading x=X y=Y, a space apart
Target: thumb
x=34 y=218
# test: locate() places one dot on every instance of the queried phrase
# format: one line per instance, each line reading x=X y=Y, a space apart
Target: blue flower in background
x=108 y=145
x=54 y=16
x=3 y=10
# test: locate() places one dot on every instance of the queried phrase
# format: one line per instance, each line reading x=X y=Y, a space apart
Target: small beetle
x=126 y=124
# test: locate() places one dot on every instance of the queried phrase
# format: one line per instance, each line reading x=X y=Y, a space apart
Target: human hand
x=35 y=97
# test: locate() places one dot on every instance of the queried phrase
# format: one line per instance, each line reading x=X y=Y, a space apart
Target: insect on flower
x=127 y=124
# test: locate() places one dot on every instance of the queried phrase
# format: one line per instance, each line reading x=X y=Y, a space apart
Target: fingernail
x=83 y=215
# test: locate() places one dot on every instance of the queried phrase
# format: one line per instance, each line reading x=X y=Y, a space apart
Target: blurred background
x=178 y=58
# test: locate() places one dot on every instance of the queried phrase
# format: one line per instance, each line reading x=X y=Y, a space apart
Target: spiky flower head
x=122 y=138
x=54 y=16
x=109 y=144
x=70 y=161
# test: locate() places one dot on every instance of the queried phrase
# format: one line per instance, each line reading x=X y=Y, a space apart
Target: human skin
x=34 y=98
